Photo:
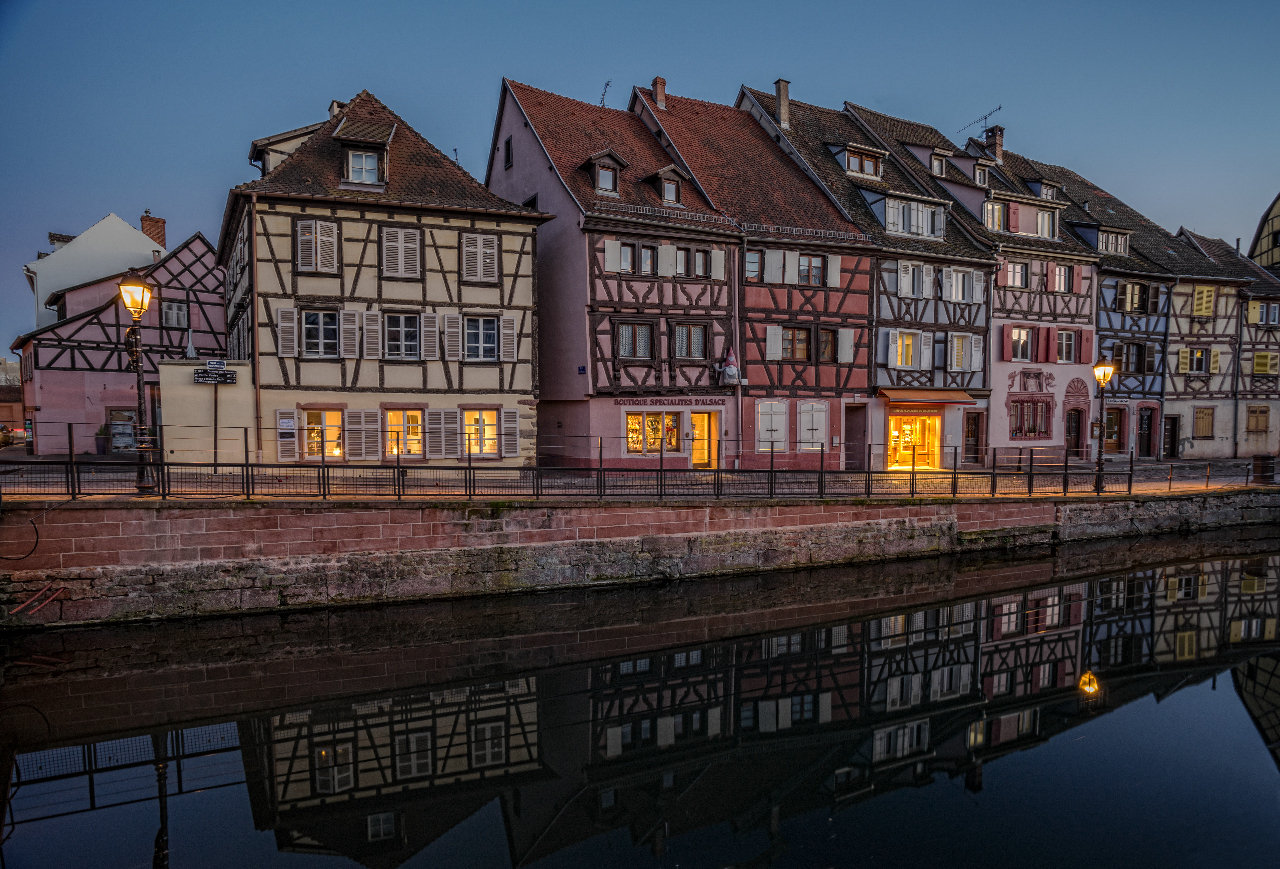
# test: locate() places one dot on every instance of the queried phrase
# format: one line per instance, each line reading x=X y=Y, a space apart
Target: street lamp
x=1102 y=372
x=135 y=292
x=1089 y=682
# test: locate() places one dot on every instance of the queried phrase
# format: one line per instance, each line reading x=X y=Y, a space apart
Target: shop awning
x=927 y=396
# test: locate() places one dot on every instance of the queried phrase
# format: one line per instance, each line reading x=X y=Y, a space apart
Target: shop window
x=645 y=433
x=913 y=437
x=1029 y=419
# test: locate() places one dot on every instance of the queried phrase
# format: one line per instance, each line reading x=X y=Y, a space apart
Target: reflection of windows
x=627 y=668
x=802 y=709
x=747 y=717
x=323 y=433
x=977 y=734
x=645 y=432
x=382 y=826
x=404 y=432
x=481 y=430
x=1047 y=675
x=785 y=645
x=635 y=340
x=413 y=755
x=863 y=164
x=687 y=659
x=1027 y=722
x=897 y=742
x=1185 y=645
x=335 y=771
x=1000 y=683
x=488 y=747
x=1009 y=618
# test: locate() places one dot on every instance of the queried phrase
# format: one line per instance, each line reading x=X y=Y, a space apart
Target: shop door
x=1171 y=437
x=705 y=428
x=1112 y=437
x=1145 y=441
x=855 y=437
x=913 y=442
x=972 y=438
x=1074 y=446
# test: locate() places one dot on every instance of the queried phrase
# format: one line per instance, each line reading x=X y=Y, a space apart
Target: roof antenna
x=605 y=91
x=980 y=120
x=455 y=156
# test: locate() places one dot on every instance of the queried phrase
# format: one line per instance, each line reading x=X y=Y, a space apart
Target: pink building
x=75 y=370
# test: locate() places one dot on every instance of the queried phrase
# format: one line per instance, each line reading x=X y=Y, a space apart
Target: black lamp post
x=135 y=291
x=1102 y=372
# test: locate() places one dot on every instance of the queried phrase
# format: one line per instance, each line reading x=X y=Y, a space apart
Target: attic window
x=862 y=164
x=1113 y=242
x=362 y=167
x=670 y=190
x=606 y=179
x=980 y=176
x=1046 y=191
x=938 y=165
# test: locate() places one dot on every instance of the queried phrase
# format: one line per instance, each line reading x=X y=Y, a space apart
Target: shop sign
x=670 y=402
x=913 y=410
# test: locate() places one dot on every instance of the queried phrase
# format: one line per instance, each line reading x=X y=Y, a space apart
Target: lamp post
x=1102 y=372
x=135 y=291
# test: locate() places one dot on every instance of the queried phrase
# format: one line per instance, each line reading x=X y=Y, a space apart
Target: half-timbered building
x=76 y=372
x=927 y=406
x=385 y=297
x=636 y=275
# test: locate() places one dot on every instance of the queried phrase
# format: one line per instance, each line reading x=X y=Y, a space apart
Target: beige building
x=385 y=298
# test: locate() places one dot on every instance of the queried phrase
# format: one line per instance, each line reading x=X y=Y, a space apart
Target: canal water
x=929 y=713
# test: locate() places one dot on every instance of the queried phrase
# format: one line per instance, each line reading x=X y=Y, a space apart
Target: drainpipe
x=253 y=300
x=1241 y=307
x=738 y=332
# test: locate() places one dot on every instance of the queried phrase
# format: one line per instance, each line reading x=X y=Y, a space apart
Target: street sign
x=215 y=363
x=206 y=375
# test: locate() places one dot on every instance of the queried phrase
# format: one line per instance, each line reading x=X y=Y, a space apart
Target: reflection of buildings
x=746 y=731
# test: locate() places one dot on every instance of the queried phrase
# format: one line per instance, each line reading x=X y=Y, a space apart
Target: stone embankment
x=112 y=560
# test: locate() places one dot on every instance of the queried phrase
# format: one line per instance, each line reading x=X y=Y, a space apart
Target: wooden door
x=1171 y=437
x=1073 y=434
x=972 y=438
x=855 y=437
x=1146 y=442
x=1112 y=436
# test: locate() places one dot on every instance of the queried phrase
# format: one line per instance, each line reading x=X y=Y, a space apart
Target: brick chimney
x=780 y=88
x=153 y=228
x=995 y=142
x=660 y=91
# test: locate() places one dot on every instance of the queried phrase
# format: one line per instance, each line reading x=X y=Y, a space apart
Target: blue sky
x=128 y=105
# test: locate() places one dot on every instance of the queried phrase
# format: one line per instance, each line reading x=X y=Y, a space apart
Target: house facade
x=385 y=297
x=76 y=374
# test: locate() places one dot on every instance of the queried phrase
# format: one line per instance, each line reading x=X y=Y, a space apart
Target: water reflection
x=717 y=709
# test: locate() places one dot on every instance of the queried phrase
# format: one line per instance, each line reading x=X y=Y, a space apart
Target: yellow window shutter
x=1269 y=629
x=1171 y=588
x=1215 y=360
x=1236 y=632
x=1184 y=360
x=1255 y=313
x=1202 y=590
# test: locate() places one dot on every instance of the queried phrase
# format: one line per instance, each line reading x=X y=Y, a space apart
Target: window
x=1044 y=224
x=753 y=265
x=320 y=334
x=1186 y=645
x=687 y=659
x=701 y=263
x=174 y=314
x=1009 y=615
x=795 y=344
x=1047 y=676
x=634 y=340
x=811 y=270
x=1000 y=683
x=1259 y=420
x=383 y=826
x=980 y=175
x=994 y=216
x=645 y=433
x=802 y=709
x=1202 y=302
x=1066 y=346
x=641 y=665
x=402 y=336
x=977 y=734
x=323 y=433
x=1270 y=316
x=1198 y=359
x=627 y=258
x=481 y=339
x=963 y=286
x=488 y=747
x=1016 y=274
x=1131 y=359
x=1021 y=341
x=962 y=355
x=914 y=218
x=334 y=770
x=906 y=357
x=1029 y=419
x=506 y=153
x=827 y=345
x=938 y=165
x=670 y=191
x=364 y=167
x=401 y=252
x=317 y=246
x=404 y=433
x=1062 y=279
x=682 y=262
x=1266 y=363
x=771 y=426
x=1046 y=191
x=691 y=341
x=648 y=260
x=481 y=430
x=606 y=179
x=1203 y=424
x=811 y=425
x=1113 y=242
x=863 y=164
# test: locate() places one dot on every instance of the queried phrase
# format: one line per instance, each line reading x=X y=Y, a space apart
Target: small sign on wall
x=1096 y=431
x=208 y=375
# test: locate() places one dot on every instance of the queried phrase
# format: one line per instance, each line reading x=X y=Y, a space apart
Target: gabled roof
x=1228 y=257
x=109 y=247
x=257 y=146
x=572 y=132
x=1257 y=233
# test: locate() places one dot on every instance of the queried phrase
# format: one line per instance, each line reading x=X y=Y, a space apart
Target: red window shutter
x=1013 y=217
x=1002 y=274
x=1008 y=342
x=1077 y=278
x=1051 y=344
x=1050 y=275
x=1086 y=347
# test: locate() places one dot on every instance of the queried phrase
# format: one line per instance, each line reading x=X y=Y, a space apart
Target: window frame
x=807 y=265
x=701 y=263
x=397 y=436
x=303 y=327
x=1020 y=269
x=1253 y=414
x=1025 y=343
x=980 y=175
x=670 y=425
x=1044 y=216
x=304 y=427
x=1198 y=360
x=675 y=328
x=1197 y=416
x=619 y=325
x=795 y=332
x=383 y=834
x=674 y=185
x=627 y=258
x=507 y=160
x=352 y=153
x=938 y=165
x=403 y=318
x=759 y=267
x=175 y=305
x=467 y=320
x=600 y=170
x=828 y=346
x=648 y=253
x=993 y=209
x=488 y=760
x=682 y=262
x=1068 y=337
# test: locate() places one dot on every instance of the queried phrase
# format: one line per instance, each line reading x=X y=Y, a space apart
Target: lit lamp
x=1089 y=683
x=135 y=292
x=1102 y=372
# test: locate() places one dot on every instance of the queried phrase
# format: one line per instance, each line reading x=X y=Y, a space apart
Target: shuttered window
x=286 y=435
x=286 y=331
x=811 y=428
x=402 y=336
x=317 y=246
x=444 y=440
x=1259 y=420
x=363 y=435
x=1203 y=423
x=480 y=258
x=401 y=252
x=481 y=339
x=1202 y=302
x=1266 y=363
x=320 y=334
x=771 y=426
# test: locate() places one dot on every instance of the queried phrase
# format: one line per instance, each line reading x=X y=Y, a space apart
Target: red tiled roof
x=572 y=131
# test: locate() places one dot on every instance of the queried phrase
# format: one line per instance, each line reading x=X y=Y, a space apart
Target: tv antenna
x=605 y=91
x=455 y=156
x=980 y=120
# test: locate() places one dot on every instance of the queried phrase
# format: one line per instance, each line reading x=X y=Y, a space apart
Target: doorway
x=1074 y=440
x=1111 y=439
x=1146 y=445
x=973 y=438
x=855 y=437
x=1171 y=437
x=705 y=447
x=913 y=436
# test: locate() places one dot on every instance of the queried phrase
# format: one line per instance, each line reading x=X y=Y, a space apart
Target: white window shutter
x=452 y=338
x=717 y=265
x=979 y=286
x=893 y=215
x=286 y=435
x=773 y=262
x=975 y=353
x=326 y=247
x=772 y=342
x=411 y=253
x=372 y=334
x=452 y=429
x=471 y=257
x=666 y=260
x=391 y=252
x=372 y=435
x=928 y=282
x=435 y=434
x=892 y=360
x=940 y=227
x=904 y=279
x=489 y=257
x=348 y=334
x=286 y=331
x=791 y=270
x=949 y=284
x=955 y=346
x=510 y=432
x=844 y=346
x=612 y=256
x=1215 y=360
x=835 y=265
x=926 y=351
x=353 y=432
x=507 y=334
x=306 y=245
x=429 y=335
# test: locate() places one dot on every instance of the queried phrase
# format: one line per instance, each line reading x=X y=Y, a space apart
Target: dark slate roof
x=1228 y=257
x=355 y=130
x=814 y=128
x=744 y=171
x=418 y=173
x=572 y=132
x=1152 y=249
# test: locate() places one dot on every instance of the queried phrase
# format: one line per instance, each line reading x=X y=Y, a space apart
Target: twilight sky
x=127 y=105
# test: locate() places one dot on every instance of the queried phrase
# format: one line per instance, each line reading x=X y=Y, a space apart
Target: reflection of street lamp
x=135 y=291
x=1102 y=373
x=1089 y=683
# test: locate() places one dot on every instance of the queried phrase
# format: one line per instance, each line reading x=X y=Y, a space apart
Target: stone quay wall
x=121 y=560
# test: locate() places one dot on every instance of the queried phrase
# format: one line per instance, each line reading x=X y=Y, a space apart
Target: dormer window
x=671 y=191
x=939 y=165
x=604 y=167
x=362 y=167
x=1046 y=191
x=862 y=164
x=1113 y=242
x=606 y=179
x=980 y=176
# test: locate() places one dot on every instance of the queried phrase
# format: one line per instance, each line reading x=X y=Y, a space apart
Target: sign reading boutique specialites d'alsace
x=212 y=375
x=670 y=402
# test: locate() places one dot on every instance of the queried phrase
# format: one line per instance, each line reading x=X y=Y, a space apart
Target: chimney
x=784 y=103
x=660 y=91
x=1237 y=245
x=995 y=142
x=153 y=228
x=335 y=108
